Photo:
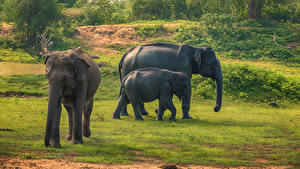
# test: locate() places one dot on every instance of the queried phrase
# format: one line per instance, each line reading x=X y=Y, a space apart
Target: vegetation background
x=256 y=40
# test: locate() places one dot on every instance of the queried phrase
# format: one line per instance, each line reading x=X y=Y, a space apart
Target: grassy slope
x=238 y=135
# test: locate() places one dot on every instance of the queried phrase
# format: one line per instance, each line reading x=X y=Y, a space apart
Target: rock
x=169 y=166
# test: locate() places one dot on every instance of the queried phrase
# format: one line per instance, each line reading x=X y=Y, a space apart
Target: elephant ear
x=78 y=54
x=198 y=56
x=48 y=66
x=177 y=82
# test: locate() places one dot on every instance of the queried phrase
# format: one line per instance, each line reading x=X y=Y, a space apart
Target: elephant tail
x=120 y=67
x=123 y=86
x=122 y=61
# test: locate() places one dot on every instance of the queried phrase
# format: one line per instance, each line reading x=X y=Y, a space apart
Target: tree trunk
x=254 y=9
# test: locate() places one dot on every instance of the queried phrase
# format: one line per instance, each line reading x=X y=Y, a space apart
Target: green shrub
x=248 y=39
x=147 y=31
x=251 y=83
x=278 y=12
x=18 y=55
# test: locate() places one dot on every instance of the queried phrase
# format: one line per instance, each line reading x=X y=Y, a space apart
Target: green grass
x=18 y=55
x=235 y=136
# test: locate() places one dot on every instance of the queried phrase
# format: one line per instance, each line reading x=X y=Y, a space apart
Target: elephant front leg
x=143 y=110
x=160 y=112
x=70 y=116
x=86 y=131
x=77 y=114
x=77 y=125
x=186 y=101
x=52 y=136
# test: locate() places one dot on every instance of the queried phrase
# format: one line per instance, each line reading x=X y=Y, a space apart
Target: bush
x=248 y=39
x=278 y=12
x=147 y=31
x=251 y=83
x=10 y=55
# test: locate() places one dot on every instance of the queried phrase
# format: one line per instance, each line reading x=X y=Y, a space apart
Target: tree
x=151 y=9
x=98 y=12
x=31 y=17
x=254 y=8
x=178 y=8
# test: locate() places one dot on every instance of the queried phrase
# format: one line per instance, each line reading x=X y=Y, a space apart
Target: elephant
x=73 y=79
x=179 y=58
x=148 y=84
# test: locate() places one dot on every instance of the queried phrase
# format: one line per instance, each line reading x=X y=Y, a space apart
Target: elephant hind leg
x=122 y=105
x=160 y=112
x=137 y=111
x=70 y=116
x=86 y=131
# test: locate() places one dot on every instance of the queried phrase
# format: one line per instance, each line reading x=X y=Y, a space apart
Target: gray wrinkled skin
x=73 y=80
x=187 y=59
x=148 y=84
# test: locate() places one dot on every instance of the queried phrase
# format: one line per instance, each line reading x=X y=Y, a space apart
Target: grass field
x=244 y=133
x=240 y=134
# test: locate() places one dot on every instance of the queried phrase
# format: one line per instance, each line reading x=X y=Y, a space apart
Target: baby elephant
x=148 y=84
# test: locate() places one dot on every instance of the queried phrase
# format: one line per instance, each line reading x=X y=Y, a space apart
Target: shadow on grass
x=203 y=123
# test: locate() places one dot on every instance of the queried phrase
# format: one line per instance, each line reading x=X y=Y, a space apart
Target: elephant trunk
x=219 y=82
x=54 y=107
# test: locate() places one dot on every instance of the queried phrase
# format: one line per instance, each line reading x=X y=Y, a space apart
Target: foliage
x=278 y=12
x=30 y=17
x=68 y=3
x=250 y=83
x=150 y=9
x=147 y=31
x=18 y=55
x=247 y=39
x=100 y=12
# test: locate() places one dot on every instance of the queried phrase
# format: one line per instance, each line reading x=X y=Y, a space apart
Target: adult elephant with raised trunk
x=184 y=58
x=73 y=80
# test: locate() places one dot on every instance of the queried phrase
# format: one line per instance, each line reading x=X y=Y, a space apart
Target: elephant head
x=207 y=64
x=178 y=84
x=61 y=71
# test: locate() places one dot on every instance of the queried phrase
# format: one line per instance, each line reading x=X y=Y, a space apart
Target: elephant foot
x=115 y=116
x=139 y=118
x=124 y=113
x=145 y=113
x=186 y=117
x=172 y=118
x=54 y=143
x=86 y=133
x=74 y=141
x=217 y=108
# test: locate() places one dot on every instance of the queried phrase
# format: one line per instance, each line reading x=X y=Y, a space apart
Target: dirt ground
x=98 y=37
x=12 y=162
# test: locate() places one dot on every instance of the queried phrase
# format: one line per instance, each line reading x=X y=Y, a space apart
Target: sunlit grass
x=237 y=135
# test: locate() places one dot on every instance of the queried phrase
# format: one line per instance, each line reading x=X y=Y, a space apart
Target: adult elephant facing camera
x=73 y=80
x=187 y=59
